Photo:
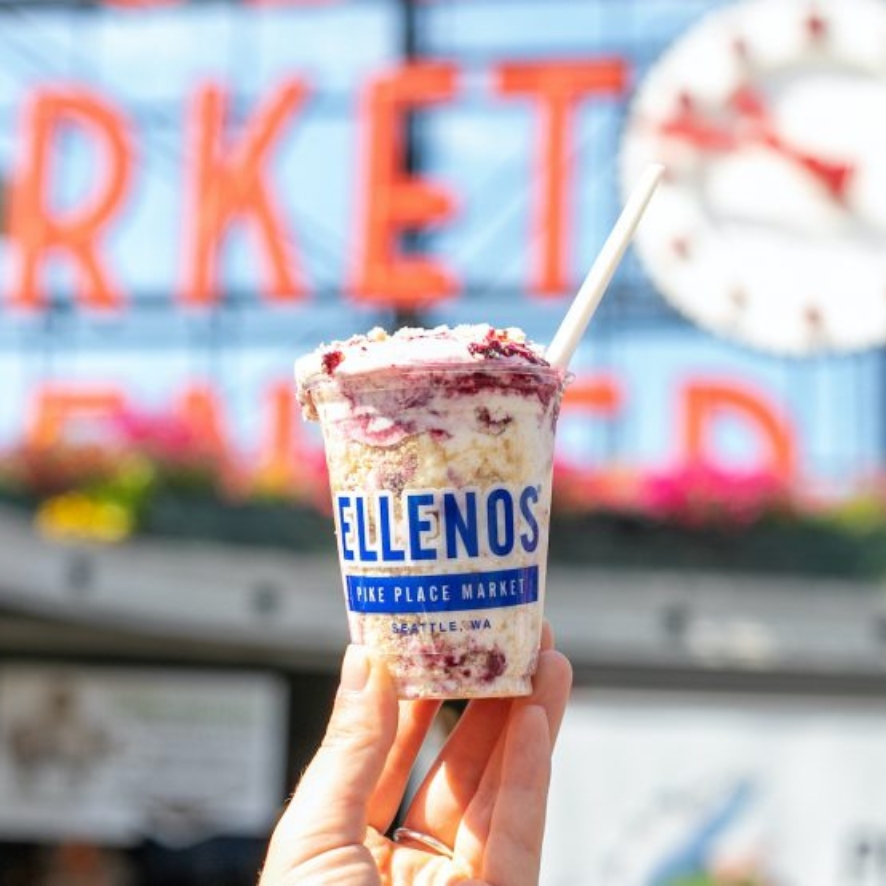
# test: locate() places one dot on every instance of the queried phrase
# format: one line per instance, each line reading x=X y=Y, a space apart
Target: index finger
x=413 y=726
x=513 y=846
x=452 y=781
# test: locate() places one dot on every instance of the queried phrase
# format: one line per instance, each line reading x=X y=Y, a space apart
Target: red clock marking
x=740 y=48
x=686 y=102
x=751 y=123
x=813 y=317
x=748 y=104
x=681 y=247
x=817 y=26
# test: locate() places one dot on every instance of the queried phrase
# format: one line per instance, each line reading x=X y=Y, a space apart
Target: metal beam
x=276 y=606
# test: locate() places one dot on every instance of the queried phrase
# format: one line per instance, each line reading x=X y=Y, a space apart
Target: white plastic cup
x=441 y=487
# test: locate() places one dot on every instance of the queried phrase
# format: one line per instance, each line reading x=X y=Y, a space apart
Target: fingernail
x=355 y=668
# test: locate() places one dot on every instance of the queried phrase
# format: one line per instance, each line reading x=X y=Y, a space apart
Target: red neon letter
x=57 y=407
x=558 y=86
x=578 y=484
x=287 y=460
x=278 y=464
x=599 y=395
x=706 y=402
x=228 y=183
x=35 y=229
x=395 y=201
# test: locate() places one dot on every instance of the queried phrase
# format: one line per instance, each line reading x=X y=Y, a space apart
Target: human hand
x=484 y=796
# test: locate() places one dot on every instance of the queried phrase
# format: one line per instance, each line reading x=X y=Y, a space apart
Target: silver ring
x=407 y=835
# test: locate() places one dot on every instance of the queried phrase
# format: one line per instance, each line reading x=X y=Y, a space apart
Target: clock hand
x=705 y=135
x=834 y=176
x=752 y=125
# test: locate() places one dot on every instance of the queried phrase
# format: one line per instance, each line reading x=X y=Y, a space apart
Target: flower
x=78 y=516
x=702 y=494
x=50 y=470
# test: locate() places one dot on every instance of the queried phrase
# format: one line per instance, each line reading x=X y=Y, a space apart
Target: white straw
x=588 y=297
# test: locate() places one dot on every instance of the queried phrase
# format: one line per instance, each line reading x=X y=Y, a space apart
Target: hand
x=484 y=796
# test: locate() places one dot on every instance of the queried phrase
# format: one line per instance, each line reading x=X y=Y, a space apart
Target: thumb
x=328 y=810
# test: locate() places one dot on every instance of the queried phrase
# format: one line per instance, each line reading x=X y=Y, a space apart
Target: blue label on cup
x=442 y=593
x=438 y=524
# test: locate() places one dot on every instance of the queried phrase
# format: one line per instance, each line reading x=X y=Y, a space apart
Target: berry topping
x=454 y=660
x=394 y=474
x=495 y=665
x=515 y=382
x=494 y=426
x=498 y=344
x=331 y=359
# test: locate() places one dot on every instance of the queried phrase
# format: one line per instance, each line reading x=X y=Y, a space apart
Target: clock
x=770 y=224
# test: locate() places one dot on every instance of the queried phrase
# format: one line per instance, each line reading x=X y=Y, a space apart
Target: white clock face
x=770 y=225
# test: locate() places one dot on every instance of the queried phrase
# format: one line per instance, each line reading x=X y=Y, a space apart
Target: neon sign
x=227 y=183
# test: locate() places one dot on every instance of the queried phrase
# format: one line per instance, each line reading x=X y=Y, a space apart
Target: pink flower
x=698 y=494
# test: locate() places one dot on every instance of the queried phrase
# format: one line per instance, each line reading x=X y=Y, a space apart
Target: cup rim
x=444 y=368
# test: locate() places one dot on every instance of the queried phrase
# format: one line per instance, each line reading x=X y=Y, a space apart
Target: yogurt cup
x=440 y=473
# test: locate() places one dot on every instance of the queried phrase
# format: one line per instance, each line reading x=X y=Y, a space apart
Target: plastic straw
x=588 y=297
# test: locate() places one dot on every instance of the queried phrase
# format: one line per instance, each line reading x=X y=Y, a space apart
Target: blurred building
x=194 y=193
